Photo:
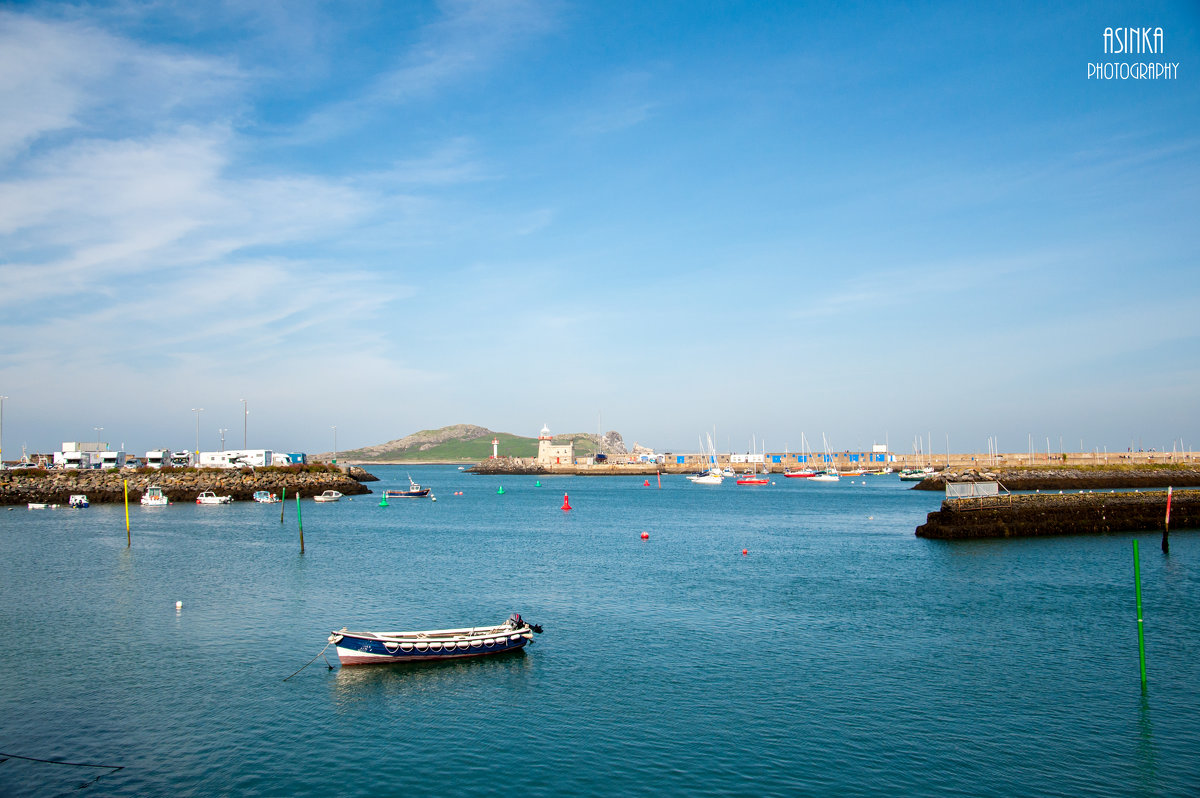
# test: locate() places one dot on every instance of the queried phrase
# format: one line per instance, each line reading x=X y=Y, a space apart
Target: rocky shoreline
x=179 y=485
x=1086 y=478
x=1042 y=514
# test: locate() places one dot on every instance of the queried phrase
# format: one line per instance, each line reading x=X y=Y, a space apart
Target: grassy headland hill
x=467 y=443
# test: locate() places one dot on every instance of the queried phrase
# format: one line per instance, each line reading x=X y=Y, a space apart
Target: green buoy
x=383 y=502
x=501 y=489
x=537 y=484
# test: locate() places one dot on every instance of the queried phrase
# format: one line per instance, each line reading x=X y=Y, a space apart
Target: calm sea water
x=840 y=655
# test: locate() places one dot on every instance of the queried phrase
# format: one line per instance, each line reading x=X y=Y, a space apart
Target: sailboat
x=830 y=472
x=807 y=470
x=713 y=475
x=752 y=477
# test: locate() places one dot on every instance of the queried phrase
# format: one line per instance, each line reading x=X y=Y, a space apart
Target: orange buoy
x=645 y=536
x=566 y=504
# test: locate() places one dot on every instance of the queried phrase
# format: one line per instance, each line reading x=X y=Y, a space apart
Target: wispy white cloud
x=468 y=39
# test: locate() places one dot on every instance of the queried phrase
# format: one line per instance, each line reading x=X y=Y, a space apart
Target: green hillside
x=462 y=443
x=454 y=450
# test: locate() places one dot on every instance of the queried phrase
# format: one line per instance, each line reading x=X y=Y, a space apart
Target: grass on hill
x=471 y=451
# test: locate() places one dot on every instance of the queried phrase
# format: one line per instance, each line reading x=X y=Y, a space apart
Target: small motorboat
x=414 y=491
x=800 y=473
x=265 y=497
x=154 y=497
x=369 y=648
x=328 y=496
x=43 y=506
x=78 y=500
x=208 y=497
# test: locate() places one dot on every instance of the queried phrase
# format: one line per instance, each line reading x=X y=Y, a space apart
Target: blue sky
x=865 y=220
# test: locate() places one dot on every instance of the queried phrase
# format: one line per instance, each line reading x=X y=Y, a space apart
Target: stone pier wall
x=184 y=484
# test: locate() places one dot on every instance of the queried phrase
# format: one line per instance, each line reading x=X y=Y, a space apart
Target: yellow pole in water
x=128 y=538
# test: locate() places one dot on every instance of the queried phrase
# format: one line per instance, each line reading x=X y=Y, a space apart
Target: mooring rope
x=61 y=762
x=314 y=659
x=86 y=784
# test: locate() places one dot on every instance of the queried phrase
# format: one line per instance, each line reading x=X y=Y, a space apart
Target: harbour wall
x=179 y=484
x=1065 y=478
x=777 y=462
x=1042 y=514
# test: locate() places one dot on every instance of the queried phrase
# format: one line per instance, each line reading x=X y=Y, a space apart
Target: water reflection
x=367 y=683
x=1147 y=751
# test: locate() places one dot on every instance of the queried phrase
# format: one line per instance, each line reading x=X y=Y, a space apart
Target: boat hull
x=364 y=649
x=406 y=494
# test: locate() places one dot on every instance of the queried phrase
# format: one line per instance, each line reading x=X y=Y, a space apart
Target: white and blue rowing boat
x=369 y=648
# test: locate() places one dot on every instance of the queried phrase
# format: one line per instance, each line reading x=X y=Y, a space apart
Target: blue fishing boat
x=369 y=648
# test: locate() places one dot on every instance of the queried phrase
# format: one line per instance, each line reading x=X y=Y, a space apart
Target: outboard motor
x=515 y=621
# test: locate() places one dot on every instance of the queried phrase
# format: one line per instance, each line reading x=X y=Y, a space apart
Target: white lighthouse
x=495 y=448
x=549 y=454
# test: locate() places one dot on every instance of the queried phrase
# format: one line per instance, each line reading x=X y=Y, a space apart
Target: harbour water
x=840 y=655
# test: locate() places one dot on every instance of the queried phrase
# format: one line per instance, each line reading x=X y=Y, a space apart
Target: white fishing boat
x=328 y=496
x=154 y=497
x=265 y=497
x=78 y=500
x=208 y=497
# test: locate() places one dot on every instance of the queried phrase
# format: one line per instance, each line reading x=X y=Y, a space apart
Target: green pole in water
x=1137 y=581
x=283 y=504
x=300 y=521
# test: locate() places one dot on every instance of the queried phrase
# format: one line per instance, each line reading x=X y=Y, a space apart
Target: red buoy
x=646 y=484
x=743 y=552
x=645 y=536
x=566 y=504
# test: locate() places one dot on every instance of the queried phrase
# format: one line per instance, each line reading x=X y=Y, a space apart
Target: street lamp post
x=245 y=413
x=335 y=444
x=197 y=411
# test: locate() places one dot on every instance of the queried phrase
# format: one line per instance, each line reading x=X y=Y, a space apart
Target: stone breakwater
x=527 y=465
x=1040 y=514
x=1090 y=478
x=179 y=485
